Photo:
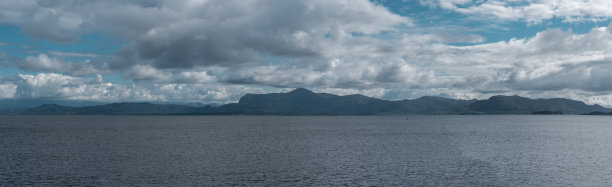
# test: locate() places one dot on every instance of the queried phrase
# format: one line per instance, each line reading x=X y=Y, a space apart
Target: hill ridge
x=302 y=101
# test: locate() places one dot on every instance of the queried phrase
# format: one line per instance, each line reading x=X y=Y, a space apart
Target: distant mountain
x=16 y=106
x=114 y=109
x=305 y=102
x=523 y=105
x=599 y=113
x=547 y=112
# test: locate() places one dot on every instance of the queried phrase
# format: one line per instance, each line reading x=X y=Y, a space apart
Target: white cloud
x=46 y=63
x=532 y=11
x=7 y=90
x=151 y=74
x=42 y=62
x=53 y=85
x=50 y=85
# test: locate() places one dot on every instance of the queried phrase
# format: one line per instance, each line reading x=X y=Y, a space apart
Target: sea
x=428 y=150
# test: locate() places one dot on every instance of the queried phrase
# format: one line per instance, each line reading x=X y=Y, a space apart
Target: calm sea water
x=310 y=150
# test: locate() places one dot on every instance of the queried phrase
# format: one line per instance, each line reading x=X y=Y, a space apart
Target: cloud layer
x=58 y=86
x=533 y=12
x=215 y=51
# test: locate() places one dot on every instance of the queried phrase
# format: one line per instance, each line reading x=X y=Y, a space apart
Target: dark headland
x=305 y=102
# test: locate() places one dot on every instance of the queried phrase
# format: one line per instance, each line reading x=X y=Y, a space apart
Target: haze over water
x=309 y=150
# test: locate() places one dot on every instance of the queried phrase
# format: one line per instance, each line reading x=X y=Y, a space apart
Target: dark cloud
x=237 y=32
x=186 y=34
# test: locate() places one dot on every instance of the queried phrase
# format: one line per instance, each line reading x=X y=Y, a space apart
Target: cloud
x=229 y=41
x=39 y=21
x=150 y=74
x=173 y=34
x=232 y=33
x=552 y=60
x=73 y=54
x=7 y=91
x=53 y=85
x=533 y=12
x=45 y=63
x=555 y=59
x=58 y=86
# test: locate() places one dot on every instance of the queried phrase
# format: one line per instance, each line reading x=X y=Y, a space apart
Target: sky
x=215 y=51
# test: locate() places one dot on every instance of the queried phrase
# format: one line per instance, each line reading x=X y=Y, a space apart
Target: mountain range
x=305 y=102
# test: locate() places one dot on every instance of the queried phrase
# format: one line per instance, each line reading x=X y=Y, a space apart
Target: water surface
x=306 y=150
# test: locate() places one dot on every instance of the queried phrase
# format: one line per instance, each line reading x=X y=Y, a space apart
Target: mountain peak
x=49 y=105
x=508 y=98
x=301 y=91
